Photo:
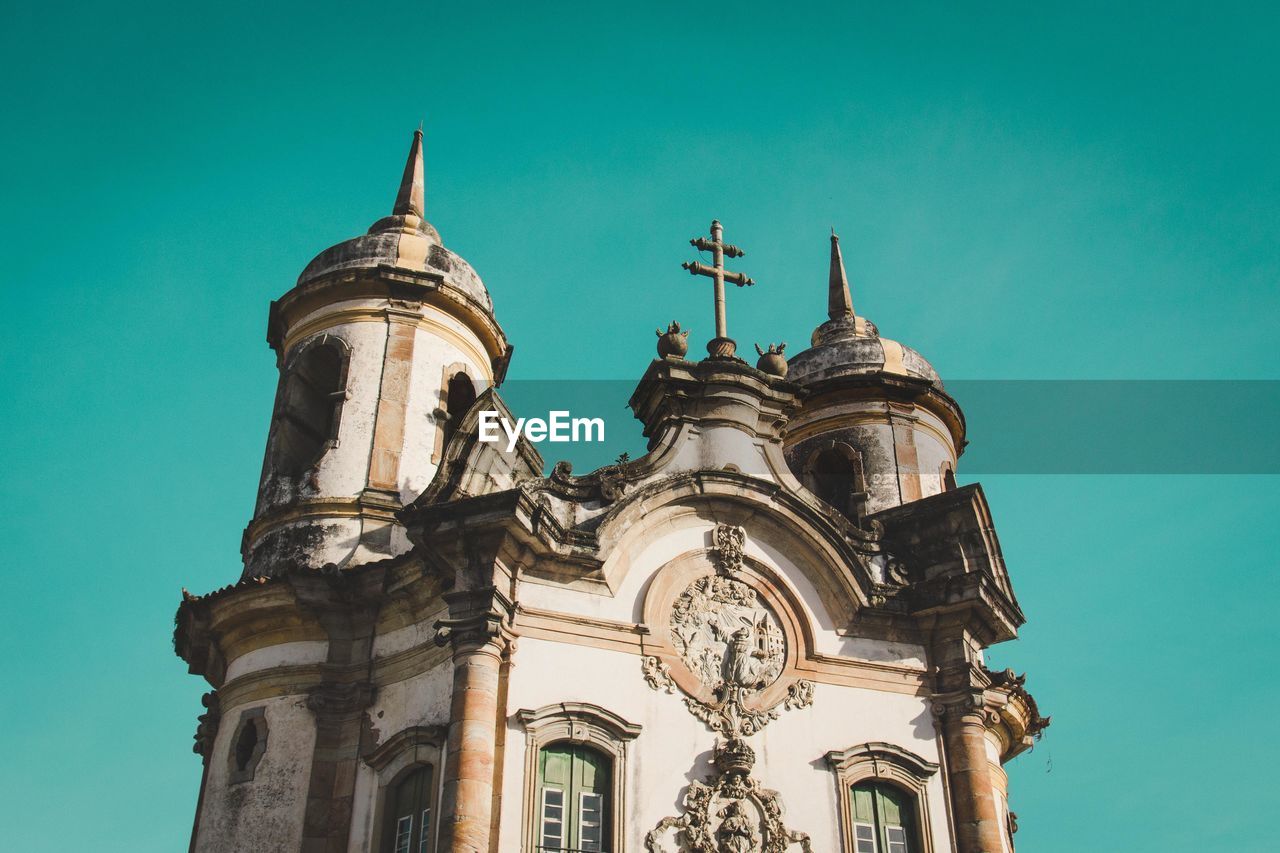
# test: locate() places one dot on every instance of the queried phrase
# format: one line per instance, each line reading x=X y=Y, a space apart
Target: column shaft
x=976 y=818
x=469 y=763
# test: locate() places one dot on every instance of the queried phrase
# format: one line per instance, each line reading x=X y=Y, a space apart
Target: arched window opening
x=574 y=803
x=884 y=808
x=948 y=479
x=459 y=397
x=835 y=475
x=883 y=819
x=310 y=407
x=409 y=814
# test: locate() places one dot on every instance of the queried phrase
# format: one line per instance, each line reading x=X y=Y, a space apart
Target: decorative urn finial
x=772 y=361
x=673 y=342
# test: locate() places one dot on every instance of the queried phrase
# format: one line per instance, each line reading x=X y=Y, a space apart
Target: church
x=765 y=634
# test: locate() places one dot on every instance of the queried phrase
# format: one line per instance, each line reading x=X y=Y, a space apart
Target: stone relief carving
x=726 y=636
x=729 y=813
x=799 y=695
x=207 y=725
x=730 y=539
x=732 y=642
x=658 y=674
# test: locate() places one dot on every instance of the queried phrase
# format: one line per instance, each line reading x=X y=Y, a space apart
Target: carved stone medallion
x=731 y=641
x=727 y=637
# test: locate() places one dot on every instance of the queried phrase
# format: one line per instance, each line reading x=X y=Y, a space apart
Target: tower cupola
x=382 y=345
x=876 y=428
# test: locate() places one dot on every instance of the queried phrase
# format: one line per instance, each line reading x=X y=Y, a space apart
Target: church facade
x=765 y=634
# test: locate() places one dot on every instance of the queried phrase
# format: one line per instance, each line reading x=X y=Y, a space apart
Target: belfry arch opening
x=835 y=474
x=311 y=398
x=459 y=397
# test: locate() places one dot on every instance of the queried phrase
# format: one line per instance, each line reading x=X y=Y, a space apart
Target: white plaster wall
x=433 y=351
x=343 y=469
x=679 y=534
x=439 y=341
x=876 y=440
x=266 y=812
x=674 y=748
x=933 y=449
x=422 y=700
x=340 y=539
x=879 y=456
x=715 y=448
x=420 y=633
x=281 y=654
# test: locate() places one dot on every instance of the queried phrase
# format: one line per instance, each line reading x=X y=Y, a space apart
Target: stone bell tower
x=876 y=430
x=382 y=345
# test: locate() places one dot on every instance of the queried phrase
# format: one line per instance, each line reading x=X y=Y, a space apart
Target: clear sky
x=1025 y=191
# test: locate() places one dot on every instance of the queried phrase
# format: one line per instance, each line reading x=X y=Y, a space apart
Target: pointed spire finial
x=839 y=300
x=411 y=200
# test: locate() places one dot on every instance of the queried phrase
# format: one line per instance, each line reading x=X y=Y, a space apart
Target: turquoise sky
x=1086 y=191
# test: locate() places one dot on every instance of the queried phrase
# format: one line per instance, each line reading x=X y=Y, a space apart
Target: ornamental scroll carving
x=729 y=813
x=732 y=642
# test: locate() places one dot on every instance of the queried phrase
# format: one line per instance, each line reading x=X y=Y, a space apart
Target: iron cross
x=721 y=345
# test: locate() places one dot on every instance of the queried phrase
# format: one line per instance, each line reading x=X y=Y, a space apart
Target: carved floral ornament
x=731 y=644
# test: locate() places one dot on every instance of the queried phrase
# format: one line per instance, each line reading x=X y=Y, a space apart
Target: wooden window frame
x=542 y=815
x=601 y=810
x=579 y=723
x=889 y=764
x=401 y=754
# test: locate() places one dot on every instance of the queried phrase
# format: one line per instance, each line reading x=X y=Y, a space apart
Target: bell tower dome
x=382 y=345
x=876 y=428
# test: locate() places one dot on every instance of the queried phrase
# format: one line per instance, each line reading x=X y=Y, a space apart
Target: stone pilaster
x=339 y=710
x=963 y=720
x=347 y=608
x=393 y=398
x=477 y=630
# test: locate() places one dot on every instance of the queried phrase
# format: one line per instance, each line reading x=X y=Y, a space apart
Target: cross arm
x=738 y=279
x=705 y=245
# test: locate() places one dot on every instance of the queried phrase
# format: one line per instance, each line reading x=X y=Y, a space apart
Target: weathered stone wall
x=903 y=448
x=265 y=812
x=420 y=700
x=389 y=436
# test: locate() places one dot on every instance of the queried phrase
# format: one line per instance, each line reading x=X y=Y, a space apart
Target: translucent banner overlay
x=1014 y=426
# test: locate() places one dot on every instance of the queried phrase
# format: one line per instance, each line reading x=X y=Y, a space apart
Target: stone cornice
x=1017 y=718
x=297 y=605
x=369 y=504
x=390 y=282
x=826 y=393
x=953 y=561
x=477 y=617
